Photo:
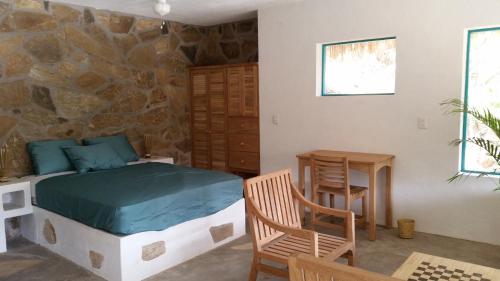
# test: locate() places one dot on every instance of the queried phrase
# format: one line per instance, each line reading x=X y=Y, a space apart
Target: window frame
x=323 y=62
x=466 y=102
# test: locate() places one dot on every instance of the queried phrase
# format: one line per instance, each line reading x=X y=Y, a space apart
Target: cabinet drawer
x=243 y=125
x=244 y=142
x=244 y=160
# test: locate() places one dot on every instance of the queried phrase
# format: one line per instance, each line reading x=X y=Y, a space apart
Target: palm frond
x=457 y=177
x=456 y=142
x=490 y=147
x=487 y=118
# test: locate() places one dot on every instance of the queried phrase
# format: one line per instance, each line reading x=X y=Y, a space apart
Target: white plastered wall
x=430 y=52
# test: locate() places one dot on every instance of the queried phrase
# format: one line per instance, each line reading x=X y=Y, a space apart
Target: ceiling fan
x=162 y=8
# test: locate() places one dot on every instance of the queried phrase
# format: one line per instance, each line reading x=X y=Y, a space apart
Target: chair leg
x=364 y=209
x=252 y=276
x=332 y=201
x=321 y=199
x=347 y=207
x=351 y=259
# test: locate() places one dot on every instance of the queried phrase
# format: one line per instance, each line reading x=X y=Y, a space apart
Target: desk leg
x=302 y=184
x=388 y=197
x=373 y=199
x=3 y=241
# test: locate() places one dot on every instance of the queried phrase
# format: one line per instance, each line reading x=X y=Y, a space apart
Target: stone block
x=90 y=80
x=29 y=4
x=142 y=57
x=13 y=94
x=17 y=64
x=45 y=48
x=6 y=124
x=153 y=250
x=65 y=14
x=126 y=43
x=190 y=35
x=41 y=97
x=25 y=20
x=96 y=259
x=222 y=232
x=49 y=232
x=144 y=24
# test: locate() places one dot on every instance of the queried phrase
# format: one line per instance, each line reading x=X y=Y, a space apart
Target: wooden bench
x=308 y=268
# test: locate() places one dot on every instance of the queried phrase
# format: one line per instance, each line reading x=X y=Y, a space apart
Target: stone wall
x=73 y=72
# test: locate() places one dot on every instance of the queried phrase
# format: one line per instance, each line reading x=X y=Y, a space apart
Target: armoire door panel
x=217 y=123
x=201 y=159
x=217 y=81
x=200 y=121
x=200 y=103
x=250 y=98
x=201 y=141
x=199 y=83
x=201 y=148
x=234 y=91
x=218 y=148
x=218 y=103
x=243 y=91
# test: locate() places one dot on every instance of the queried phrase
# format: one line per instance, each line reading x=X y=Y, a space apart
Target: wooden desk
x=369 y=163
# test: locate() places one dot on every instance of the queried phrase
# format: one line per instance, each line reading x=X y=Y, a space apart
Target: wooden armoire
x=225 y=118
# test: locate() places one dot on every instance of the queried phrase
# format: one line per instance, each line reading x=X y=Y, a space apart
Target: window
x=365 y=67
x=482 y=90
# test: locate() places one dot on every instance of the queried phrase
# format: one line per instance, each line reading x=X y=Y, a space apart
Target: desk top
x=359 y=157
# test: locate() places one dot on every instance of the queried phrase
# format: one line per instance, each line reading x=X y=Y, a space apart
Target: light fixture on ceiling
x=161 y=7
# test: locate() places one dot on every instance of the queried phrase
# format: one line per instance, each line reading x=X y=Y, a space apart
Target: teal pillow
x=94 y=157
x=48 y=157
x=119 y=143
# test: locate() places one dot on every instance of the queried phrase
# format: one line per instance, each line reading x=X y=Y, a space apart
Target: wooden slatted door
x=209 y=110
x=218 y=109
x=243 y=91
x=200 y=119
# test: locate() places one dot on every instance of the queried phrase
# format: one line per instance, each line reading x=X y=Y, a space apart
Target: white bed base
x=120 y=258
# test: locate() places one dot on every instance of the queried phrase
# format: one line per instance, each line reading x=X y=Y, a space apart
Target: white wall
x=430 y=45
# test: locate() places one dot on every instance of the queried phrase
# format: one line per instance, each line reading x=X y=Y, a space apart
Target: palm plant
x=486 y=117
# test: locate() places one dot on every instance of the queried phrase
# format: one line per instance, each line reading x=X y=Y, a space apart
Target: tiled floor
x=26 y=261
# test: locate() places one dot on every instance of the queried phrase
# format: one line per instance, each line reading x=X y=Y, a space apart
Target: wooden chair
x=308 y=268
x=330 y=175
x=273 y=214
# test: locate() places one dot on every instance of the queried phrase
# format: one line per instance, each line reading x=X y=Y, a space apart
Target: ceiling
x=197 y=12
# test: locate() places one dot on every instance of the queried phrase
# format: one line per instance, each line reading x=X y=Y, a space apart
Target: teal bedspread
x=138 y=198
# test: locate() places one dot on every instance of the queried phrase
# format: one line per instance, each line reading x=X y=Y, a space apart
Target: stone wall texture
x=74 y=72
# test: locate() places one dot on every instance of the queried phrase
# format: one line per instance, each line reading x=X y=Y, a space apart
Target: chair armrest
x=298 y=232
x=321 y=209
x=348 y=216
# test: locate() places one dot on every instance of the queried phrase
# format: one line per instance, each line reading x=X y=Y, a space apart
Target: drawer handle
x=242 y=161
x=242 y=143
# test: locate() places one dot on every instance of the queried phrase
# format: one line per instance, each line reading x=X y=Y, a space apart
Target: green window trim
x=466 y=102
x=323 y=62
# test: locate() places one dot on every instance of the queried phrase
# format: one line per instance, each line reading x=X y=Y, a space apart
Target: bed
x=138 y=198
x=133 y=222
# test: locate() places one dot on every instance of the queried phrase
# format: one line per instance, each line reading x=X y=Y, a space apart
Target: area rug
x=422 y=267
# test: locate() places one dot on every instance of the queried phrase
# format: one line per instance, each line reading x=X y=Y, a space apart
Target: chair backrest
x=331 y=172
x=272 y=195
x=308 y=268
